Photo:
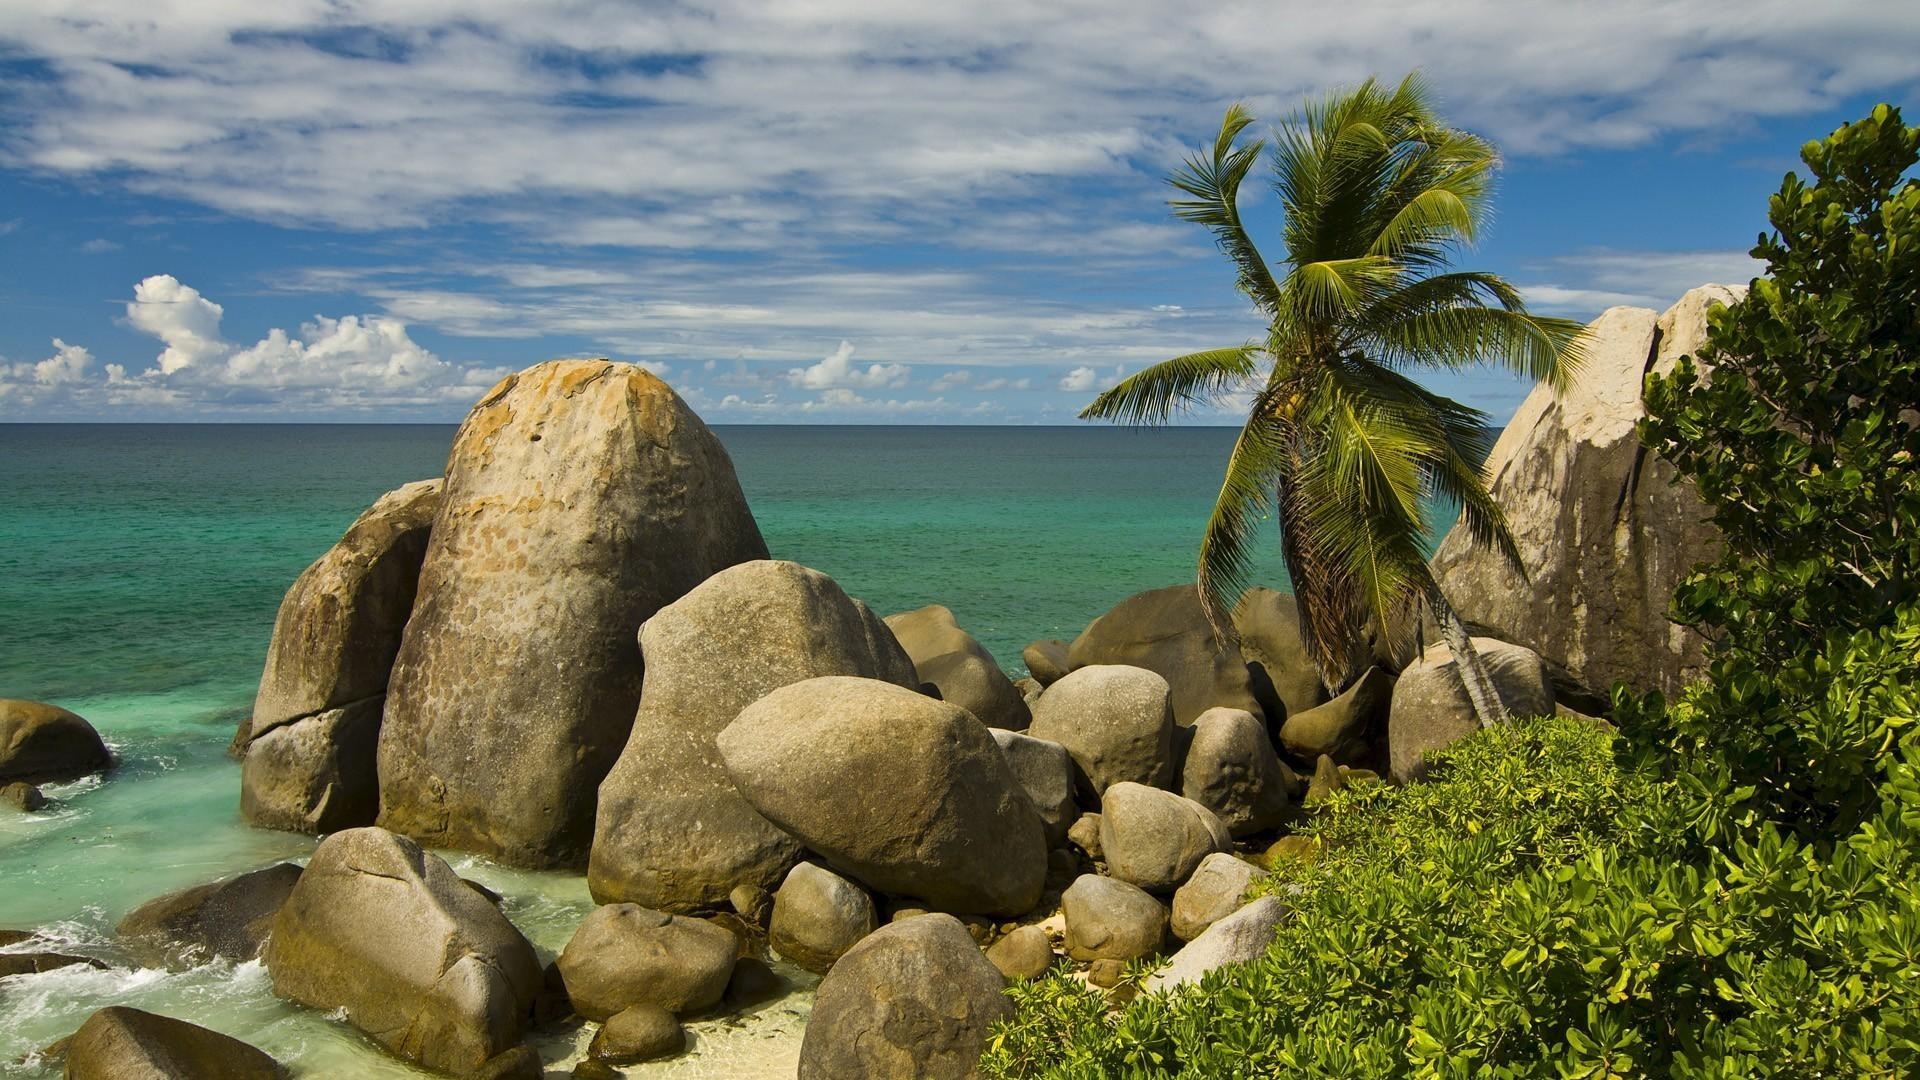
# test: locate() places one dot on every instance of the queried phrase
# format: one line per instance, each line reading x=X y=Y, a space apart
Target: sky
x=840 y=211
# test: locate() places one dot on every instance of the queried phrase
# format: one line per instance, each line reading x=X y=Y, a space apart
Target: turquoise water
x=140 y=568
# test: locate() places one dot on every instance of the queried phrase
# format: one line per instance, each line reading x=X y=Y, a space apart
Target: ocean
x=141 y=566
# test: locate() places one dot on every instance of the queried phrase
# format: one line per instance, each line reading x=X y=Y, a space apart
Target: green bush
x=1730 y=889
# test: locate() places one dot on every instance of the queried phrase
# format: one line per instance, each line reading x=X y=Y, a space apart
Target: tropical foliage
x=1732 y=887
x=1379 y=196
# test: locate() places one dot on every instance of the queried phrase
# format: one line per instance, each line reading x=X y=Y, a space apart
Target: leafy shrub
x=1738 y=894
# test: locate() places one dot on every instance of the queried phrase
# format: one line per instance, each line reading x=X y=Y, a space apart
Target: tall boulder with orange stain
x=581 y=497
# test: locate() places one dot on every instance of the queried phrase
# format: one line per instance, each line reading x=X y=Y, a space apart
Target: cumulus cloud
x=1080 y=379
x=837 y=370
x=1586 y=283
x=352 y=361
x=949 y=380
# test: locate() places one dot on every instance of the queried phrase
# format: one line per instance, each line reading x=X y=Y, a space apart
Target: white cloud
x=837 y=370
x=348 y=362
x=950 y=380
x=178 y=315
x=1079 y=380
x=1003 y=383
x=1589 y=282
x=98 y=246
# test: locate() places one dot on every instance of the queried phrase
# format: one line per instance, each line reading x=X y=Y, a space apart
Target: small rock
x=119 y=1043
x=1326 y=780
x=754 y=903
x=590 y=1069
x=1085 y=834
x=1241 y=936
x=519 y=1063
x=33 y=963
x=640 y=1033
x=1111 y=920
x=914 y=999
x=551 y=1005
x=23 y=796
x=817 y=916
x=1155 y=839
x=1301 y=848
x=753 y=982
x=625 y=955
x=1046 y=660
x=1025 y=953
x=751 y=938
x=1106 y=974
x=1213 y=892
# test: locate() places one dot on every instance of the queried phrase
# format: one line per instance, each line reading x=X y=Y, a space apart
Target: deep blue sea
x=141 y=565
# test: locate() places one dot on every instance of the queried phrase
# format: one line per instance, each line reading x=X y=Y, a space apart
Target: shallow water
x=140 y=567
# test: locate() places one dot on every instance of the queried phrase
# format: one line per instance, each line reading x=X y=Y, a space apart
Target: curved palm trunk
x=1481 y=692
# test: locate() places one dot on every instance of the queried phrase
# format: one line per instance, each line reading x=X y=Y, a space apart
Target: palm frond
x=1213 y=186
x=1153 y=394
x=1259 y=464
x=1538 y=347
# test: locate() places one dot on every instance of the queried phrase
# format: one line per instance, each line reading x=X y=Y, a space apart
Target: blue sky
x=841 y=211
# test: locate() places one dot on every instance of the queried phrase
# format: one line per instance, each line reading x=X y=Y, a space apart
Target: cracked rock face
x=582 y=496
x=1603 y=529
x=416 y=958
x=309 y=745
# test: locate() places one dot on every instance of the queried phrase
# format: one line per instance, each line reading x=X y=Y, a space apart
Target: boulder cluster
x=574 y=652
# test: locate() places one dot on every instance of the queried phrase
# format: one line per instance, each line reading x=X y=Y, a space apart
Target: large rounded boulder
x=121 y=1043
x=316 y=718
x=625 y=955
x=1166 y=632
x=1156 y=839
x=1430 y=708
x=906 y=794
x=411 y=954
x=963 y=669
x=1604 y=528
x=581 y=497
x=673 y=832
x=41 y=744
x=1116 y=723
x=228 y=919
x=915 y=1000
x=1232 y=770
x=1111 y=920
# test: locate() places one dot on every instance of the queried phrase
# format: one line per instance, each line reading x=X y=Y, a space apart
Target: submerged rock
x=913 y=1001
x=334 y=640
x=415 y=958
x=1604 y=528
x=228 y=919
x=817 y=916
x=625 y=955
x=23 y=796
x=908 y=795
x=119 y=1043
x=581 y=497
x=963 y=669
x=1116 y=723
x=1155 y=839
x=673 y=832
x=1166 y=632
x=1231 y=769
x=33 y=963
x=44 y=744
x=1430 y=708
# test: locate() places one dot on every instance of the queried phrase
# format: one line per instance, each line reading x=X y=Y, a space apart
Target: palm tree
x=1340 y=442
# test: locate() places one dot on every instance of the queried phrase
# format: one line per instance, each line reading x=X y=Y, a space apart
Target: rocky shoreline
x=573 y=652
